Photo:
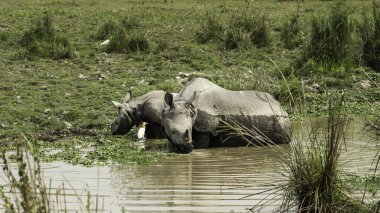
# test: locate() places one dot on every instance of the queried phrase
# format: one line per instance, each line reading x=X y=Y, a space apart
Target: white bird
x=141 y=133
x=104 y=43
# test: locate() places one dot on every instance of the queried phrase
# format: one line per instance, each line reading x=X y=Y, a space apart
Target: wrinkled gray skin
x=146 y=108
x=194 y=118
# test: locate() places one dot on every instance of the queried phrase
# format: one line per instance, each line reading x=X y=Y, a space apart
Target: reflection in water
x=210 y=180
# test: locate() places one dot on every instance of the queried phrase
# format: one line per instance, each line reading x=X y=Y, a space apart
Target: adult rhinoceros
x=146 y=108
x=202 y=108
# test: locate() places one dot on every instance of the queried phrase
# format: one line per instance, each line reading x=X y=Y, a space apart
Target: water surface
x=208 y=180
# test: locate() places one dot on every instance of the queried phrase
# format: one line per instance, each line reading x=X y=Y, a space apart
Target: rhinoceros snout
x=185 y=149
x=119 y=129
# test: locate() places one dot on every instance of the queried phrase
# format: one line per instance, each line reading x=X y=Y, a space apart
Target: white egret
x=104 y=43
x=141 y=133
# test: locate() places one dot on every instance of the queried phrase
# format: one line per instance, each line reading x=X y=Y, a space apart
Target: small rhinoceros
x=194 y=118
x=146 y=108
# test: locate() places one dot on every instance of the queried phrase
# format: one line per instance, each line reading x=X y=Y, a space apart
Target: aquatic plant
x=314 y=181
x=372 y=182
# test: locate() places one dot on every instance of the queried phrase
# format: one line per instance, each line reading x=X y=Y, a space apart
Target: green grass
x=52 y=98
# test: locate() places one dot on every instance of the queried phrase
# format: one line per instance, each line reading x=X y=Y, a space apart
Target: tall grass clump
x=110 y=26
x=125 y=36
x=4 y=36
x=106 y=30
x=42 y=40
x=290 y=33
x=130 y=22
x=371 y=38
x=255 y=27
x=210 y=29
x=330 y=36
x=314 y=182
x=237 y=38
x=127 y=42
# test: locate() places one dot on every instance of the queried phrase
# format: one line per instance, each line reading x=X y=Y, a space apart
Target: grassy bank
x=58 y=81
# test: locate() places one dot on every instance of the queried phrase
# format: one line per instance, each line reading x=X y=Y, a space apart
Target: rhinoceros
x=146 y=108
x=201 y=109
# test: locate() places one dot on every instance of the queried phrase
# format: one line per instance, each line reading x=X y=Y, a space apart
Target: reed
x=314 y=180
x=313 y=183
x=27 y=188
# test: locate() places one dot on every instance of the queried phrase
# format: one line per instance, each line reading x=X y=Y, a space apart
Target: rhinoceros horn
x=117 y=104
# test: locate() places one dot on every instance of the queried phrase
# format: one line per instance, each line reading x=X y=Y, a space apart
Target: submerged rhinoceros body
x=146 y=108
x=202 y=108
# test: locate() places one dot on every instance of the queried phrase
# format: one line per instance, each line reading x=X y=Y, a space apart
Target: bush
x=371 y=39
x=290 y=33
x=330 y=36
x=41 y=40
x=209 y=30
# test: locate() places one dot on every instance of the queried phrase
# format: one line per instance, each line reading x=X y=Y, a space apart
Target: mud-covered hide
x=216 y=106
x=254 y=110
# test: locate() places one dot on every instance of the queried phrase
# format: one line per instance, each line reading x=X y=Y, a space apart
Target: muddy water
x=210 y=180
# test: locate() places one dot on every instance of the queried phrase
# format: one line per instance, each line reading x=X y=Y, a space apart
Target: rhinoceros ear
x=117 y=104
x=168 y=98
x=128 y=96
x=192 y=98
